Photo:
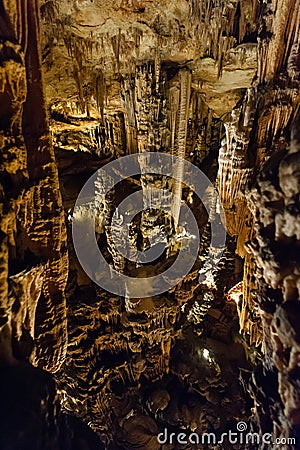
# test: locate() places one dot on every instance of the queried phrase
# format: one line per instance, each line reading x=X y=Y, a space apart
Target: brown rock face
x=34 y=261
x=84 y=83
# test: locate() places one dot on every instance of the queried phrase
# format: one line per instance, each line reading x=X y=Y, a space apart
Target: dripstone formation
x=83 y=83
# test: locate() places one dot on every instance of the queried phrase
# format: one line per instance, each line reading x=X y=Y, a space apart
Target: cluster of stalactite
x=221 y=24
x=201 y=29
x=161 y=113
x=105 y=138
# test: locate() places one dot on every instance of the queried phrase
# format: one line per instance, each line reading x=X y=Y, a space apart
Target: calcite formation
x=83 y=83
x=34 y=260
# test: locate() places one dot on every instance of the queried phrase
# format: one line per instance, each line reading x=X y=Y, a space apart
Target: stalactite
x=285 y=22
x=116 y=45
x=100 y=91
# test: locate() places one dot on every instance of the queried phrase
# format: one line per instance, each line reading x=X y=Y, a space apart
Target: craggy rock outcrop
x=34 y=262
x=275 y=203
x=260 y=152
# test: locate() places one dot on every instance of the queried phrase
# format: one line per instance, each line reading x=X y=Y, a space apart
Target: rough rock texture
x=217 y=83
x=260 y=152
x=34 y=261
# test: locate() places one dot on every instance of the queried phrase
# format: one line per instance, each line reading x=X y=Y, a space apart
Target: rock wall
x=257 y=180
x=34 y=260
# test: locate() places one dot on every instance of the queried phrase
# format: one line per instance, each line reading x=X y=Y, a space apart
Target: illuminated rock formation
x=34 y=261
x=83 y=83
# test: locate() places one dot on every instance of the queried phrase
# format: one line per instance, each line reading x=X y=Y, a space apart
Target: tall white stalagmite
x=180 y=139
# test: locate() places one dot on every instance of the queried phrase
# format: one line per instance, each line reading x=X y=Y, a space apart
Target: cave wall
x=260 y=158
x=217 y=84
x=34 y=260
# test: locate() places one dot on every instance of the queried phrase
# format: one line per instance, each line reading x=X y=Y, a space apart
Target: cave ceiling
x=202 y=97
